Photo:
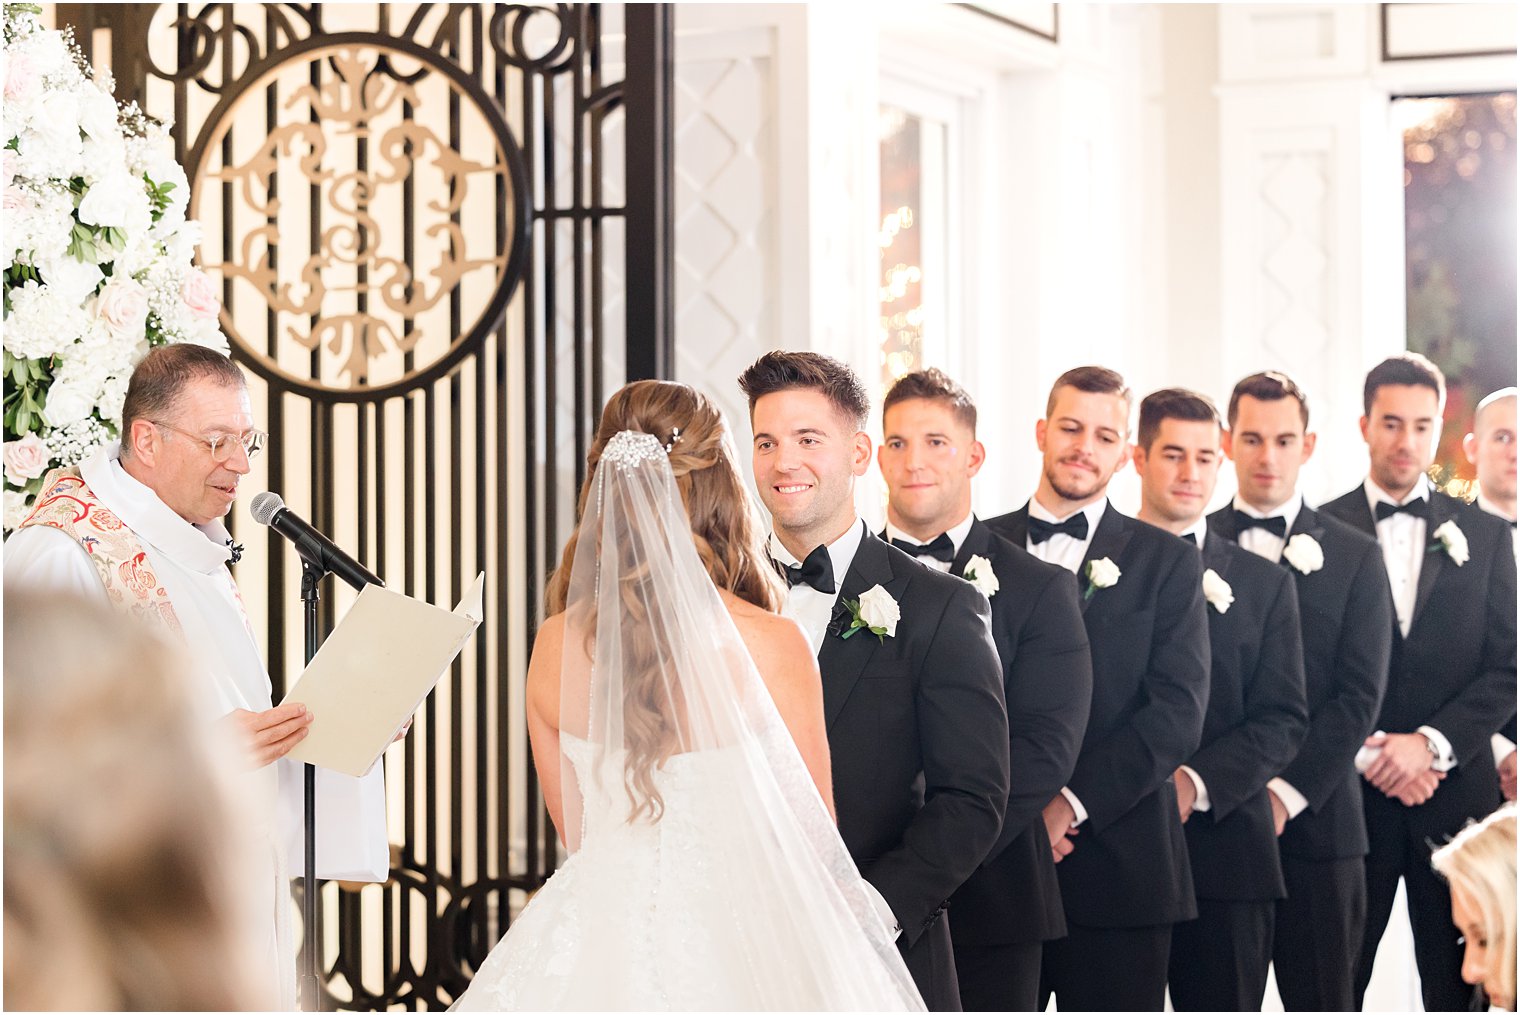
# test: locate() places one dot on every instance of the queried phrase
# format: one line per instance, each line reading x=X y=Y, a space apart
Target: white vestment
x=190 y=562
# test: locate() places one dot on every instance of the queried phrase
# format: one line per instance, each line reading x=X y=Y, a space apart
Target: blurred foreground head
x=1479 y=864
x=121 y=853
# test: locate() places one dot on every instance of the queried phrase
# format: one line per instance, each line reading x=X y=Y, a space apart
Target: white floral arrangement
x=1217 y=591
x=979 y=573
x=875 y=611
x=1449 y=536
x=97 y=254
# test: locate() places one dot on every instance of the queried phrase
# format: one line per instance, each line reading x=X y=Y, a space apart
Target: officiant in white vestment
x=142 y=527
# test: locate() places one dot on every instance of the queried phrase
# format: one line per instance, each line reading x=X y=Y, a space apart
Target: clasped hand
x=1059 y=816
x=1402 y=768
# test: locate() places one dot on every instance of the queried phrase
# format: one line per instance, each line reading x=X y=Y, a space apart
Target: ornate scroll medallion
x=372 y=207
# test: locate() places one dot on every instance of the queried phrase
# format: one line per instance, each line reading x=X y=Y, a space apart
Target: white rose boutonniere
x=1217 y=591
x=875 y=611
x=1304 y=553
x=979 y=573
x=1101 y=574
x=1452 y=539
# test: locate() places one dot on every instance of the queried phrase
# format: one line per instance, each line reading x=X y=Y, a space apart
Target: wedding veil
x=668 y=731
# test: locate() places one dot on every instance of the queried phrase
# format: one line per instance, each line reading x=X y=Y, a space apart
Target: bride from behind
x=677 y=728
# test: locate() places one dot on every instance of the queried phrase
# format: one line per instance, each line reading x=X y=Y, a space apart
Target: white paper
x=374 y=671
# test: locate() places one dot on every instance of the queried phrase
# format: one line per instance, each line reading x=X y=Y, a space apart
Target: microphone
x=314 y=548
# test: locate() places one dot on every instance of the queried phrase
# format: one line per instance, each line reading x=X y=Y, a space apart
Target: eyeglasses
x=222 y=445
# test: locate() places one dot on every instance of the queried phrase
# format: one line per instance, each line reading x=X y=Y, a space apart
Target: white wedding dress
x=739 y=894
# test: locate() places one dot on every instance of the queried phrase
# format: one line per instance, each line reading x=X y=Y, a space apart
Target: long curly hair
x=729 y=541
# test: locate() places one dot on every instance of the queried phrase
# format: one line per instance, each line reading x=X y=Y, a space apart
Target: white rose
x=110 y=200
x=879 y=609
x=97 y=115
x=25 y=459
x=67 y=403
x=979 y=573
x=1304 y=553
x=73 y=281
x=112 y=395
x=1454 y=540
x=16 y=508
x=123 y=305
x=1217 y=591
x=1103 y=573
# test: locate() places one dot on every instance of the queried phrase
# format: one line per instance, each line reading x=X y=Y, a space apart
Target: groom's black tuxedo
x=918 y=732
x=1344 y=612
x=1454 y=672
x=1150 y=660
x=1256 y=719
x=1014 y=898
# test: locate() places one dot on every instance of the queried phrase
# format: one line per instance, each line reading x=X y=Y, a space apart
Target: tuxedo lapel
x=978 y=542
x=1109 y=541
x=1441 y=511
x=842 y=660
x=1360 y=514
x=1216 y=556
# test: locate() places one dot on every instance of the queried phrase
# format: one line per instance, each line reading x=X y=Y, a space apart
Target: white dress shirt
x=810 y=608
x=957 y=534
x=1199 y=530
x=1060 y=548
x=1258 y=540
x=1068 y=553
x=1264 y=544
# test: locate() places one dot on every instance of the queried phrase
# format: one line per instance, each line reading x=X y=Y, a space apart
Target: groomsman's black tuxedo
x=1128 y=878
x=1454 y=672
x=1256 y=719
x=1012 y=903
x=918 y=732
x=1345 y=610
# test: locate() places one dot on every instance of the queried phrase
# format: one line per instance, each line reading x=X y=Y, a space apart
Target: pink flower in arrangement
x=21 y=79
x=199 y=294
x=25 y=459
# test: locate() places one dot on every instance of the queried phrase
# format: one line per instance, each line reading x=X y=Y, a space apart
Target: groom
x=912 y=686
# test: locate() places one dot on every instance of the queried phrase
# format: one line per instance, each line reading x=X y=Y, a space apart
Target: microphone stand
x=311 y=988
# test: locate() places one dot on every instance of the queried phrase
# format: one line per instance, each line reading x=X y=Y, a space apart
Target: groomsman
x=1451 y=684
x=928 y=457
x=1256 y=718
x=1114 y=827
x=1491 y=449
x=1345 y=614
x=912 y=686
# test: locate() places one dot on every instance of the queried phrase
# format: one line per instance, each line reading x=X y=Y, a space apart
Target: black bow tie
x=1277 y=524
x=1419 y=507
x=1041 y=530
x=941 y=548
x=817 y=571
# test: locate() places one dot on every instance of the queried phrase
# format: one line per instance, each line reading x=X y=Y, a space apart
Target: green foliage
x=26 y=384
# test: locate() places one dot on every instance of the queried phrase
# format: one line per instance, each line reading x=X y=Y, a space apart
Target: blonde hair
x=728 y=539
x=119 y=891
x=1480 y=863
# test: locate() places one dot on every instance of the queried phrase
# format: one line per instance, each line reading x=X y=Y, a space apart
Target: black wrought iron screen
x=437 y=254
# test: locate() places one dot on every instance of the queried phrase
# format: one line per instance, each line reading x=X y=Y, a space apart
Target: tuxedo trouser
x=1319 y=932
x=1107 y=968
x=999 y=977
x=1219 y=961
x=1437 y=953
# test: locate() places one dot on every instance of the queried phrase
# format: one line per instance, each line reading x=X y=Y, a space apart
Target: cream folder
x=373 y=671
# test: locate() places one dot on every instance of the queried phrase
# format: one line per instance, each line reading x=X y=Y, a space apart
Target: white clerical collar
x=1288 y=510
x=957 y=533
x=1093 y=511
x=202 y=548
x=1197 y=530
x=1487 y=505
x=1377 y=495
x=841 y=552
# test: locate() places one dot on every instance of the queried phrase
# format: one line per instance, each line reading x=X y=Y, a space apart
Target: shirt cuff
x=1502 y=746
x=888 y=918
x=1076 y=806
x=1292 y=799
x=1445 y=760
x=1201 y=792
